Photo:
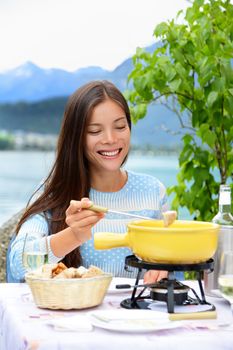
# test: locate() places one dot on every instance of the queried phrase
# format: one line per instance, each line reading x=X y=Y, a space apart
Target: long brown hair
x=69 y=177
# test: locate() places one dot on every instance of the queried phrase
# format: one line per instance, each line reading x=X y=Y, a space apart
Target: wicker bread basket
x=72 y=293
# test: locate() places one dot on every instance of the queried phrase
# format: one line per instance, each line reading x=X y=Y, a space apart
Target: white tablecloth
x=24 y=326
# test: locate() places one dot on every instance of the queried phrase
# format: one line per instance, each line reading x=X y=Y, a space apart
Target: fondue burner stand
x=168 y=289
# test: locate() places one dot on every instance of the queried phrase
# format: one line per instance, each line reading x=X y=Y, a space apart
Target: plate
x=121 y=280
x=132 y=320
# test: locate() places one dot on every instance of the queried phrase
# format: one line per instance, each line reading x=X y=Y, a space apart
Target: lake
x=22 y=171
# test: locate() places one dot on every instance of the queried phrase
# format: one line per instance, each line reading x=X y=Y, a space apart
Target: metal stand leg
x=136 y=283
x=170 y=293
x=203 y=299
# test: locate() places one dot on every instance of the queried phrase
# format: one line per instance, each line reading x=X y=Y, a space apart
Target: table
x=24 y=326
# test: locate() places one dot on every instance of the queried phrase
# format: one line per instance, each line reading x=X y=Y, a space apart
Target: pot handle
x=108 y=240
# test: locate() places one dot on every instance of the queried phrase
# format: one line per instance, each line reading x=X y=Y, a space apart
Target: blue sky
x=71 y=34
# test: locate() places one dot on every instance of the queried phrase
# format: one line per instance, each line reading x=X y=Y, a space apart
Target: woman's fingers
x=152 y=276
x=83 y=219
x=77 y=206
x=162 y=274
x=80 y=219
x=78 y=212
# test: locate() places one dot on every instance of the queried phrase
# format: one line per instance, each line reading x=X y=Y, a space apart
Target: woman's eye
x=121 y=127
x=94 y=132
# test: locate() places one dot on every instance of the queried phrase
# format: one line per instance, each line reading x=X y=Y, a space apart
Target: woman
x=92 y=147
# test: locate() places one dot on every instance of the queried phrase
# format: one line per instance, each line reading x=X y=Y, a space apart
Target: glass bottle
x=225 y=240
x=224 y=217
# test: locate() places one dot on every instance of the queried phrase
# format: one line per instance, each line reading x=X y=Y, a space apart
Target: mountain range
x=33 y=99
x=31 y=83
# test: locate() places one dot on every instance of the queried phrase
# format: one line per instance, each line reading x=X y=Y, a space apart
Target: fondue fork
x=168 y=216
x=100 y=209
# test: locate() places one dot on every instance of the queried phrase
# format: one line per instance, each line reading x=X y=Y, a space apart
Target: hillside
x=31 y=83
x=45 y=117
x=42 y=117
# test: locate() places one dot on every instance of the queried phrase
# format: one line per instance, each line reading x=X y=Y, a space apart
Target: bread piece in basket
x=67 y=273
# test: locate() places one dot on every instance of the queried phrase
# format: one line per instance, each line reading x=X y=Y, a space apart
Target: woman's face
x=107 y=137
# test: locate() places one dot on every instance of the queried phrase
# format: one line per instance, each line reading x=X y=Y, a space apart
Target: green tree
x=6 y=141
x=191 y=73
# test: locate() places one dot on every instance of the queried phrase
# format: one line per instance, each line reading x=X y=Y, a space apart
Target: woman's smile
x=110 y=154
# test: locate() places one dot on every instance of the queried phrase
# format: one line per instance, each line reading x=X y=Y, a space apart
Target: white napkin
x=75 y=323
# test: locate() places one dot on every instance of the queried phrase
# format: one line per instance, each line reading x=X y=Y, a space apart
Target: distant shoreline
x=136 y=151
x=24 y=141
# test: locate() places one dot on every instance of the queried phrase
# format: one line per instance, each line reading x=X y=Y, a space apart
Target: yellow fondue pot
x=183 y=242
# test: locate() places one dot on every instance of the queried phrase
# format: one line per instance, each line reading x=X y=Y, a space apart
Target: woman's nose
x=109 y=136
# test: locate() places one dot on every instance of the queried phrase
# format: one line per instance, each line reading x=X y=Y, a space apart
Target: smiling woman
x=107 y=145
x=93 y=146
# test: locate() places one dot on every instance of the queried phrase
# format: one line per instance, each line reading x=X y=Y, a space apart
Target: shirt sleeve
x=36 y=227
x=163 y=197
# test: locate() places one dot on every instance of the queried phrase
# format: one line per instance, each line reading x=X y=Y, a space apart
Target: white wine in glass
x=33 y=260
x=225 y=279
x=34 y=255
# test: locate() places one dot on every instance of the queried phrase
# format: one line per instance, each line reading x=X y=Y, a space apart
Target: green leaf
x=212 y=97
x=190 y=14
x=229 y=106
x=139 y=51
x=206 y=135
x=199 y=3
x=231 y=91
x=170 y=73
x=138 y=112
x=174 y=85
x=161 y=29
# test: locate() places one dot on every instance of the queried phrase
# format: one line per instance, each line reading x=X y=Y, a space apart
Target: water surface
x=22 y=171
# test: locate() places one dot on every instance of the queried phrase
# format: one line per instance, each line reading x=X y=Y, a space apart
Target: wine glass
x=225 y=279
x=35 y=252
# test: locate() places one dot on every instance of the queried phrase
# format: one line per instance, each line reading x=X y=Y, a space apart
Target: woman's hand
x=152 y=276
x=81 y=220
